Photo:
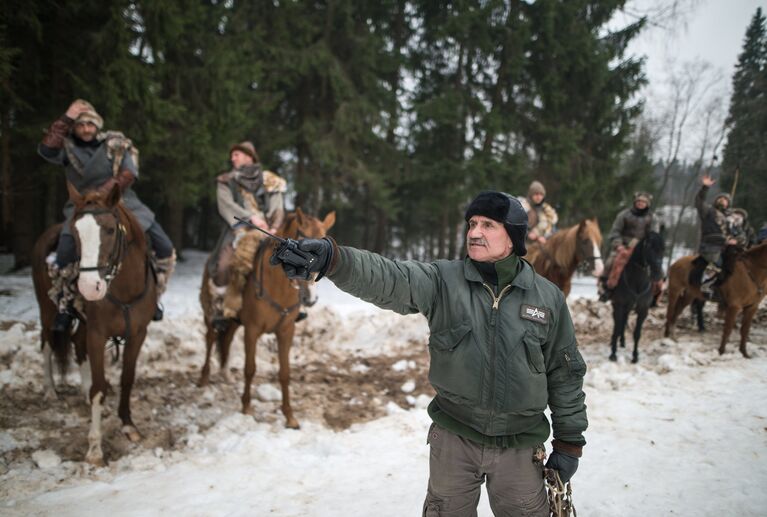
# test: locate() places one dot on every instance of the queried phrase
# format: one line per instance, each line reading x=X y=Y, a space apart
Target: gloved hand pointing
x=312 y=256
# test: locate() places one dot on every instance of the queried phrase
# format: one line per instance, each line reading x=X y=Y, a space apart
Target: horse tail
x=61 y=343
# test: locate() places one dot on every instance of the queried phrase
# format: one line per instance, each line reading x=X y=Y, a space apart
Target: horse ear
x=329 y=220
x=114 y=195
x=74 y=195
x=299 y=216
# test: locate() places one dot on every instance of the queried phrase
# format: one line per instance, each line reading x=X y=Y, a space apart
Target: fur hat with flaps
x=90 y=115
x=248 y=148
x=722 y=195
x=536 y=187
x=643 y=196
x=506 y=209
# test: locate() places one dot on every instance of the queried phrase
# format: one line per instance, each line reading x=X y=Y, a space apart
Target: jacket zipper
x=493 y=316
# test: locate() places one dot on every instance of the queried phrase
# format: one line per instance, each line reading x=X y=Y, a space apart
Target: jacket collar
x=525 y=277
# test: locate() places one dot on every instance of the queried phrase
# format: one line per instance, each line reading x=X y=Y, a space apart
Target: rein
x=110 y=271
x=262 y=293
x=126 y=307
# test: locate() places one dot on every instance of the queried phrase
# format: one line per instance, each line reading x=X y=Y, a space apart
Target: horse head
x=302 y=225
x=100 y=237
x=589 y=242
x=649 y=253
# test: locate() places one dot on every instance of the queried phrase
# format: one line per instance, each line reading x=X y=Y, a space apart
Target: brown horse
x=116 y=281
x=558 y=258
x=742 y=290
x=270 y=304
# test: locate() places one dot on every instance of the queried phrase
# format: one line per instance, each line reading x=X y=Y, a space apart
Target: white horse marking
x=599 y=266
x=90 y=283
x=95 y=454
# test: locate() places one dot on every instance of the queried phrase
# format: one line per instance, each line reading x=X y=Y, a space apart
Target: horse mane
x=561 y=245
x=757 y=254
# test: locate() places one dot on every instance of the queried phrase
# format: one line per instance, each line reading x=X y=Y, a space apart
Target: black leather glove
x=321 y=250
x=563 y=463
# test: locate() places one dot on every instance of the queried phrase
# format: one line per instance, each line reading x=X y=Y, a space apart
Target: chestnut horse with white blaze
x=559 y=257
x=119 y=288
x=270 y=305
x=743 y=290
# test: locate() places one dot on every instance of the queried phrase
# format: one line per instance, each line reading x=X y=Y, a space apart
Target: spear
x=735 y=183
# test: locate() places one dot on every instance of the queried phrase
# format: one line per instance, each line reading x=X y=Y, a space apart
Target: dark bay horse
x=116 y=281
x=558 y=258
x=634 y=290
x=270 y=305
x=742 y=290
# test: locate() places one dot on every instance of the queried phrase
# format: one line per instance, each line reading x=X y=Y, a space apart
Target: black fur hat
x=506 y=209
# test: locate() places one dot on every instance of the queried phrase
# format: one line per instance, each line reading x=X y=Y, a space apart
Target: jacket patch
x=533 y=313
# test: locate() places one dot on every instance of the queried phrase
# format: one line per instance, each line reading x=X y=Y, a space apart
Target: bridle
x=114 y=261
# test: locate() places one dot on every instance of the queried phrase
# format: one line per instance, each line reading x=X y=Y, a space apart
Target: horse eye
x=110 y=231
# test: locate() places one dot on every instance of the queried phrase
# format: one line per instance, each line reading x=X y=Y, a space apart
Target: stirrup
x=159 y=312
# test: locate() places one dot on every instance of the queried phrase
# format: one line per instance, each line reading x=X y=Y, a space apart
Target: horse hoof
x=203 y=382
x=95 y=458
x=623 y=345
x=745 y=354
x=634 y=360
x=131 y=433
x=292 y=423
x=248 y=410
x=50 y=395
x=613 y=357
x=226 y=376
x=721 y=350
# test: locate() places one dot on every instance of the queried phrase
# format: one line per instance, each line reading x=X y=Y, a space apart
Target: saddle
x=621 y=259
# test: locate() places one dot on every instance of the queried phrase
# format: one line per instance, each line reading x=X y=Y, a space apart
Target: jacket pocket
x=574 y=361
x=534 y=354
x=455 y=369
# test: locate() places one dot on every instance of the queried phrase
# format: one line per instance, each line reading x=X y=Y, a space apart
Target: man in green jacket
x=502 y=348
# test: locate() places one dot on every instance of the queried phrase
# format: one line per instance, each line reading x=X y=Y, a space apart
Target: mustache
x=477 y=241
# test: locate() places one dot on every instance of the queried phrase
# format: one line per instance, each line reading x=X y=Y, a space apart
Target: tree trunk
x=175 y=225
x=5 y=167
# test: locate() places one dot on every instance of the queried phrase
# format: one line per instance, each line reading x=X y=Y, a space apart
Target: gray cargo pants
x=458 y=467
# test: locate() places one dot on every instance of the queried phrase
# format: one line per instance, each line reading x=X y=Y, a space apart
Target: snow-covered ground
x=684 y=432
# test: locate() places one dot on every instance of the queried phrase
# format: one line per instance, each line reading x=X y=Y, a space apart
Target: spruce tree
x=744 y=154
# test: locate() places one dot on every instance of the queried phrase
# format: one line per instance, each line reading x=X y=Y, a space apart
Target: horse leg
x=251 y=337
x=697 y=308
x=745 y=327
x=619 y=323
x=96 y=343
x=729 y=324
x=669 y=330
x=641 y=315
x=284 y=342
x=49 y=391
x=130 y=355
x=81 y=357
x=224 y=344
x=210 y=338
